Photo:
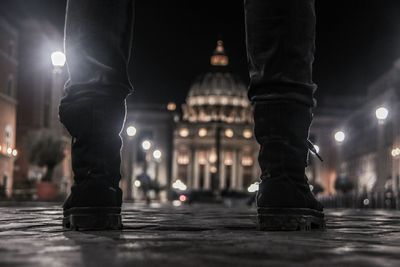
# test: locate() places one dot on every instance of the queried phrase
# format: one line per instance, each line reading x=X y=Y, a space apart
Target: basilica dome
x=217 y=95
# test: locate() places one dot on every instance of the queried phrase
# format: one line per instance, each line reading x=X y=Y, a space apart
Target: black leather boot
x=95 y=199
x=284 y=199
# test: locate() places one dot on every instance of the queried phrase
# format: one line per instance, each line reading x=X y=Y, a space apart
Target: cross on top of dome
x=219 y=58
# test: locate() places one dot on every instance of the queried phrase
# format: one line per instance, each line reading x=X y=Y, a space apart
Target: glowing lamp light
x=182 y=198
x=253 y=187
x=58 y=59
x=395 y=152
x=340 y=136
x=157 y=154
x=212 y=158
x=229 y=133
x=9 y=150
x=184 y=132
x=179 y=185
x=15 y=152
x=146 y=145
x=247 y=134
x=381 y=113
x=171 y=106
x=131 y=131
x=137 y=183
x=202 y=132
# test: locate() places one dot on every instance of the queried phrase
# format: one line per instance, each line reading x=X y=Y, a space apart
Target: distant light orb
x=157 y=154
x=171 y=106
x=366 y=202
x=202 y=132
x=58 y=59
x=395 y=152
x=340 y=136
x=137 y=183
x=381 y=113
x=15 y=152
x=131 y=131
x=9 y=150
x=229 y=133
x=146 y=144
x=182 y=198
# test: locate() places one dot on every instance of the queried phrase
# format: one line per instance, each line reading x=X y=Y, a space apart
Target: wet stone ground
x=197 y=236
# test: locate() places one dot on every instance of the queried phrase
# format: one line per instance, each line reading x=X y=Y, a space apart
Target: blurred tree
x=46 y=149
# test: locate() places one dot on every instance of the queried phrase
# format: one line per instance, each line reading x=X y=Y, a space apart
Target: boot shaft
x=282 y=130
x=95 y=125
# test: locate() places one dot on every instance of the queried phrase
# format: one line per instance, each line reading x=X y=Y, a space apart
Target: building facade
x=154 y=125
x=8 y=104
x=214 y=147
x=368 y=157
x=40 y=87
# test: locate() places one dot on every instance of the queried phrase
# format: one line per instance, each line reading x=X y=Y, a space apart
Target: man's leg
x=97 y=46
x=280 y=45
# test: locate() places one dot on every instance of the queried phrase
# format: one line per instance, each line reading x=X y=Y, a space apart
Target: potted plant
x=46 y=149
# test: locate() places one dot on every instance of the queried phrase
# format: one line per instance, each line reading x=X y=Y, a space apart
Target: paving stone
x=198 y=235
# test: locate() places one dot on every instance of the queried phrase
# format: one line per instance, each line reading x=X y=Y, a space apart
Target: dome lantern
x=219 y=58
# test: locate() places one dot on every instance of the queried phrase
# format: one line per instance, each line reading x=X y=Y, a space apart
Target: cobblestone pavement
x=197 y=236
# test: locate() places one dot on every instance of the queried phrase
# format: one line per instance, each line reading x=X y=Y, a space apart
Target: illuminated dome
x=217 y=95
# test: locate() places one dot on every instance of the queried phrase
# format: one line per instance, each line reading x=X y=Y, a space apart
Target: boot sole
x=286 y=219
x=92 y=218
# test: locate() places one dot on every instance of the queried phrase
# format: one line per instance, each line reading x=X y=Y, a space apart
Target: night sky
x=356 y=42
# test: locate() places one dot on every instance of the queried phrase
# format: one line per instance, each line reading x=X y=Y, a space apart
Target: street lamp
x=58 y=59
x=131 y=131
x=340 y=136
x=157 y=154
x=381 y=114
x=146 y=145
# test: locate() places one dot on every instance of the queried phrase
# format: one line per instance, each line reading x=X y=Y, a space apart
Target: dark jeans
x=280 y=48
x=98 y=34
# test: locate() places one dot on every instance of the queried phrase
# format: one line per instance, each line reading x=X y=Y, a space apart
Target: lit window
x=183 y=159
x=247 y=161
x=228 y=159
x=202 y=158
